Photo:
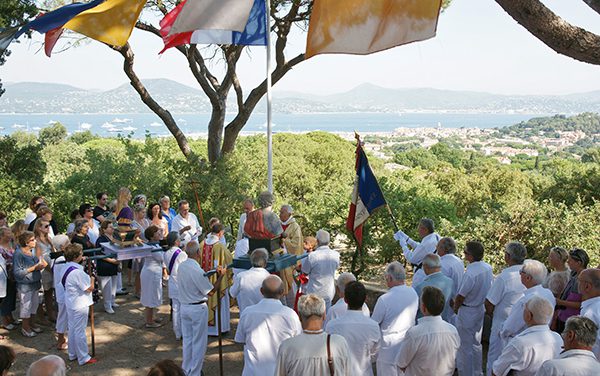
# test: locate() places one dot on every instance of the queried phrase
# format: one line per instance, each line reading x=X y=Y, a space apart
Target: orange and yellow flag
x=362 y=27
x=110 y=22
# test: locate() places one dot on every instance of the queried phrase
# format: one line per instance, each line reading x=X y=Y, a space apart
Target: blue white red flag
x=254 y=34
x=366 y=197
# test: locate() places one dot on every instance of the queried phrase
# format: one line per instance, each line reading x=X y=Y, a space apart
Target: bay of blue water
x=140 y=124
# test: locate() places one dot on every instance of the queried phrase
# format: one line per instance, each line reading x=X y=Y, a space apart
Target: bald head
x=589 y=283
x=50 y=365
x=272 y=287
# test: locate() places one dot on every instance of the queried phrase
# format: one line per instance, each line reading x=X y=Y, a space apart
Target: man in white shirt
x=246 y=285
x=468 y=305
x=193 y=293
x=320 y=266
x=506 y=290
x=186 y=224
x=532 y=273
x=340 y=307
x=242 y=247
x=172 y=259
x=78 y=299
x=429 y=240
x=452 y=267
x=248 y=206
x=361 y=333
x=395 y=312
x=308 y=353
x=525 y=353
x=264 y=326
x=589 y=287
x=430 y=347
x=577 y=358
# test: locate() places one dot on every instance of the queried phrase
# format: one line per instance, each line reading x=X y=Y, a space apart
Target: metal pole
x=269 y=99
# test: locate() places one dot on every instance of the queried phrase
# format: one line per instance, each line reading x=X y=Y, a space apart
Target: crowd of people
x=544 y=318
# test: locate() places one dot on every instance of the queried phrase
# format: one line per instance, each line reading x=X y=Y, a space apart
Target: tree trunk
x=162 y=113
x=555 y=32
x=594 y=4
x=215 y=132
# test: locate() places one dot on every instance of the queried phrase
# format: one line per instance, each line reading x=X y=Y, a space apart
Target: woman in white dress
x=151 y=279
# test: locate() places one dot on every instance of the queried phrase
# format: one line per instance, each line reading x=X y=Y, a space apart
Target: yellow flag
x=365 y=26
x=110 y=22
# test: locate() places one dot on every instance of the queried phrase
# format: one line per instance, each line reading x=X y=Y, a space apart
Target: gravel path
x=124 y=347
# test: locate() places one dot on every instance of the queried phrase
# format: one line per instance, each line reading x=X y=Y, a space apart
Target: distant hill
x=29 y=97
x=588 y=123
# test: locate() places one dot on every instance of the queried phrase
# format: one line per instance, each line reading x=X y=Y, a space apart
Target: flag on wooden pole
x=366 y=196
x=365 y=26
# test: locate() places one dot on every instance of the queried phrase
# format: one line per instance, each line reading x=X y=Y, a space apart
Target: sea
x=139 y=125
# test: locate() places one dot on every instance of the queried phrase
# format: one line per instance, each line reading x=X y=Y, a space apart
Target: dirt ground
x=123 y=346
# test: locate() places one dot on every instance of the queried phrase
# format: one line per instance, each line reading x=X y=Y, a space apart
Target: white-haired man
x=264 y=326
x=418 y=250
x=395 y=312
x=340 y=307
x=246 y=285
x=589 y=287
x=292 y=242
x=320 y=266
x=452 y=267
x=50 y=365
x=361 y=333
x=577 y=358
x=434 y=277
x=309 y=352
x=525 y=353
x=532 y=274
x=194 y=290
x=506 y=290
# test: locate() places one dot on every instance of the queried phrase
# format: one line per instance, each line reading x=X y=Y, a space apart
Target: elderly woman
x=166 y=210
x=9 y=302
x=43 y=248
x=107 y=270
x=560 y=272
x=569 y=303
x=151 y=277
x=156 y=219
x=80 y=235
x=27 y=270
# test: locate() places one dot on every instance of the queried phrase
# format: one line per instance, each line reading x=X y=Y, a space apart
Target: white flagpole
x=269 y=99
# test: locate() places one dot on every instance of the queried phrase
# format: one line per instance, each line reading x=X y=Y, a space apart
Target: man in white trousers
x=172 y=259
x=194 y=290
x=78 y=299
x=468 y=305
x=395 y=312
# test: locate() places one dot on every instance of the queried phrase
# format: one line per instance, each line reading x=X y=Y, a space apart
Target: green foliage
x=587 y=122
x=52 y=135
x=555 y=201
x=591 y=155
x=81 y=138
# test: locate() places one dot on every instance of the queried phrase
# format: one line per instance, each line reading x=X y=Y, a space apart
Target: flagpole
x=269 y=99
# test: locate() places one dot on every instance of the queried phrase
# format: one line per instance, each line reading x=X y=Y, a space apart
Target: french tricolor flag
x=254 y=33
x=366 y=197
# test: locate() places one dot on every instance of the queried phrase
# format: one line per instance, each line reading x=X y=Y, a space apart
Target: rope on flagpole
x=269 y=103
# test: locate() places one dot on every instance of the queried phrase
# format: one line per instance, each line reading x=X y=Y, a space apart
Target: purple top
x=125 y=217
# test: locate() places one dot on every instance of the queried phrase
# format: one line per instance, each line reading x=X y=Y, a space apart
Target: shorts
x=29 y=303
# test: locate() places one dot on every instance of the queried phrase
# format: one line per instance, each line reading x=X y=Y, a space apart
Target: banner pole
x=269 y=102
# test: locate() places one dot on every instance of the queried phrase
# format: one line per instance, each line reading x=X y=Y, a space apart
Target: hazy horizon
x=478 y=48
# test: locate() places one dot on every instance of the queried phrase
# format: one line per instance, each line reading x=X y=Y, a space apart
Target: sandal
x=91 y=361
x=28 y=334
x=36 y=329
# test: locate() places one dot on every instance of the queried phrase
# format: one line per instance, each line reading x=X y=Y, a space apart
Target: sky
x=478 y=47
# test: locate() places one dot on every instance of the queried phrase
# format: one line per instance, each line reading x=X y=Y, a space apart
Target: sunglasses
x=45 y=226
